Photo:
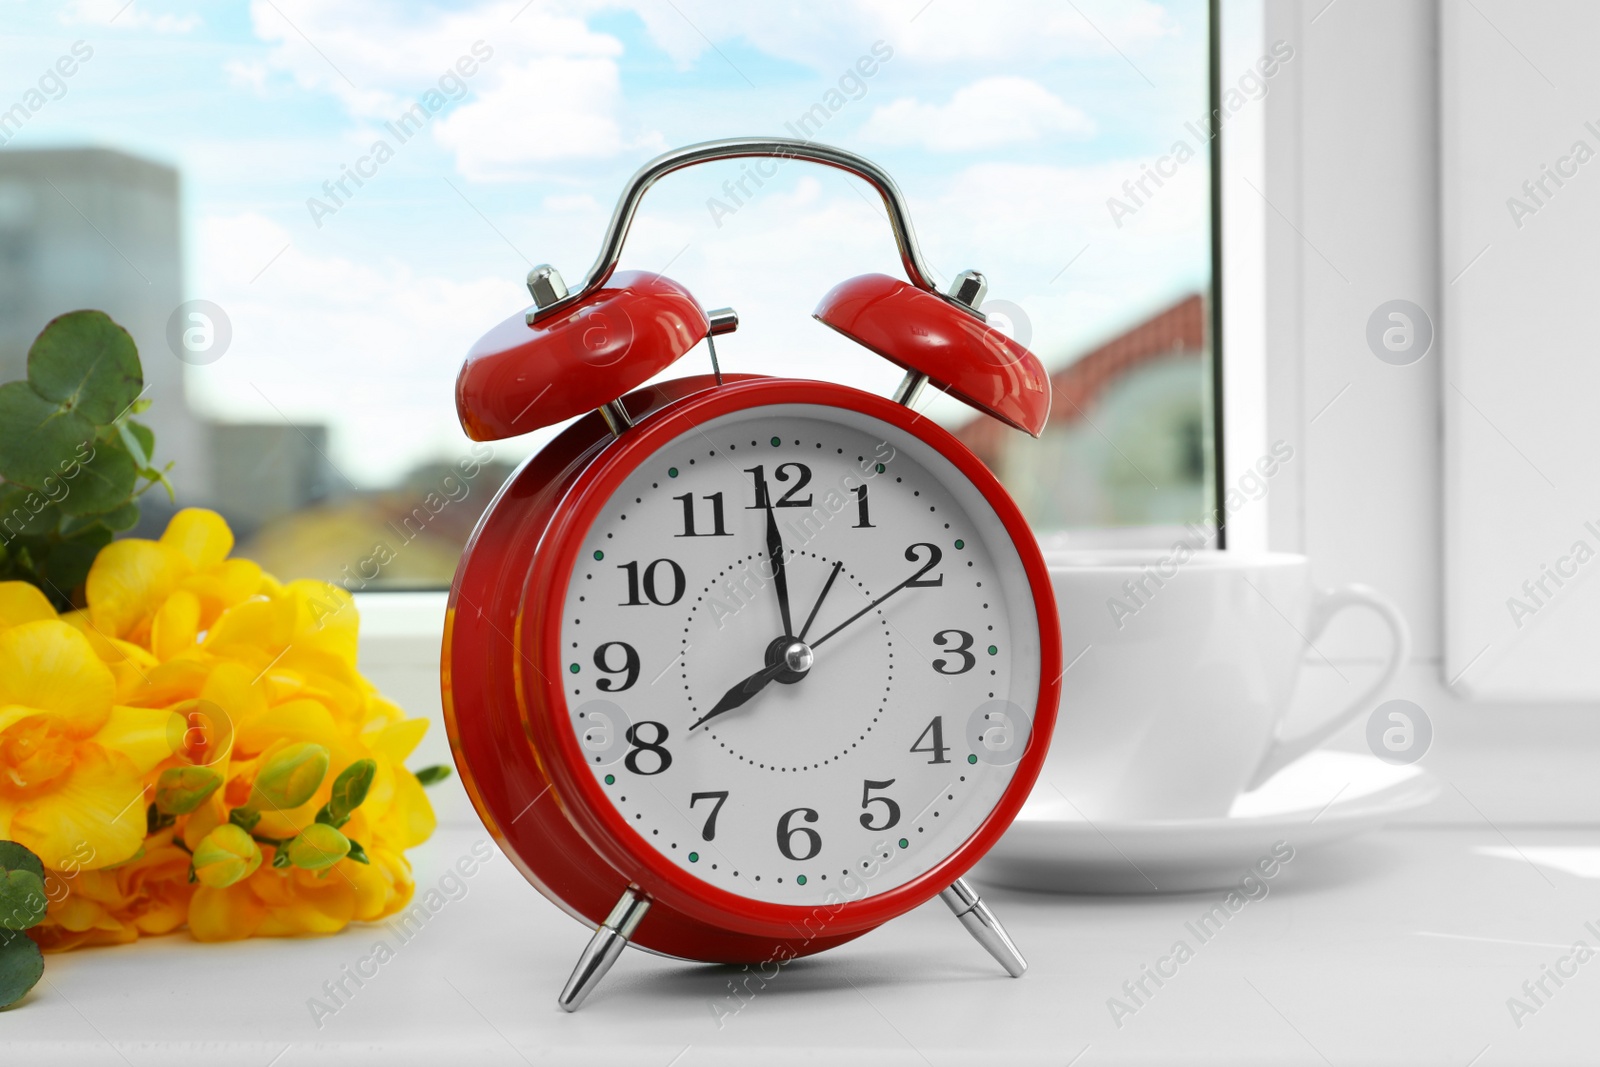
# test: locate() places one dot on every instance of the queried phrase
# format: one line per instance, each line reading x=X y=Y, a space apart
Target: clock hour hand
x=743 y=691
x=820 y=598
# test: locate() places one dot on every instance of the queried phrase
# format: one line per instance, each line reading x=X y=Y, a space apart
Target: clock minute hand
x=780 y=578
x=742 y=691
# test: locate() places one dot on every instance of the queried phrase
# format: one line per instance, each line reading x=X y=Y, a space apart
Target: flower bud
x=290 y=777
x=349 y=790
x=227 y=855
x=318 y=846
x=180 y=790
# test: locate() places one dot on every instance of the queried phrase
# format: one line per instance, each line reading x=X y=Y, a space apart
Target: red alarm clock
x=738 y=668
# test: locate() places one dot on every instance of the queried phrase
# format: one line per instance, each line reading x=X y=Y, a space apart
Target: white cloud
x=372 y=348
x=549 y=89
x=987 y=113
x=252 y=76
x=123 y=15
x=506 y=130
x=1014 y=32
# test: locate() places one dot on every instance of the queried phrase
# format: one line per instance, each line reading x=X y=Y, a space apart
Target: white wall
x=1351 y=208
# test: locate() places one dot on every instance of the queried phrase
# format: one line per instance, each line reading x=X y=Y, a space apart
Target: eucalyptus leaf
x=37 y=436
x=120 y=519
x=135 y=443
x=73 y=525
x=22 y=900
x=21 y=967
x=143 y=434
x=103 y=483
x=15 y=857
x=88 y=364
x=66 y=566
x=26 y=512
x=72 y=459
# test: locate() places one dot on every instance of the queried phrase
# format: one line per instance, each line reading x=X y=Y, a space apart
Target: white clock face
x=820 y=731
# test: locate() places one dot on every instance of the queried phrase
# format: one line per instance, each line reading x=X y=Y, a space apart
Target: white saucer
x=1320 y=798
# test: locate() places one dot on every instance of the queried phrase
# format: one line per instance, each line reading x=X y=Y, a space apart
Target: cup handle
x=1328 y=604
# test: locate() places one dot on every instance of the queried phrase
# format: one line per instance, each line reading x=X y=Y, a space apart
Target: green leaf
x=156 y=820
x=102 y=484
x=350 y=789
x=429 y=775
x=36 y=436
x=21 y=967
x=139 y=446
x=66 y=565
x=161 y=476
x=14 y=857
x=120 y=519
x=244 y=818
x=88 y=364
x=280 y=858
x=73 y=525
x=357 y=853
x=143 y=434
x=22 y=900
x=26 y=512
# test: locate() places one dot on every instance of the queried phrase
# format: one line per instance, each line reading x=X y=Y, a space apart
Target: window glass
x=307 y=212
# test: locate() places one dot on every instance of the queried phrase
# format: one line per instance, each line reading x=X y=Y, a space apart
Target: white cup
x=1181 y=672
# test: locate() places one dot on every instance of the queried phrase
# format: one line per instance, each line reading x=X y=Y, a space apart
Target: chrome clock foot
x=980 y=922
x=604 y=948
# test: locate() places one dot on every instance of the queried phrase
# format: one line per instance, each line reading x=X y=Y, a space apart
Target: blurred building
x=96 y=228
x=264 y=471
x=409 y=536
x=1129 y=439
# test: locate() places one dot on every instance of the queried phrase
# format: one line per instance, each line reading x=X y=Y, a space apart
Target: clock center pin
x=798 y=657
x=795 y=655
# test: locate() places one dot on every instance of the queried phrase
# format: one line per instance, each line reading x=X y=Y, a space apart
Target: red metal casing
x=519 y=377
x=923 y=332
x=508 y=722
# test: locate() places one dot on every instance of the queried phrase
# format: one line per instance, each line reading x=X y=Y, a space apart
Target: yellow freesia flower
x=71 y=763
x=162 y=594
x=186 y=658
x=147 y=895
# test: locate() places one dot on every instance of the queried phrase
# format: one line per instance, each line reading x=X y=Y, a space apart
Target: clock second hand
x=869 y=607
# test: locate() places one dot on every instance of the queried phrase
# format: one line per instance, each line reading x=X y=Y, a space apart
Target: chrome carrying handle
x=550 y=293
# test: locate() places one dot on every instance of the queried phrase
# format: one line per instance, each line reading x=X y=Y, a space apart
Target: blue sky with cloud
x=1008 y=125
